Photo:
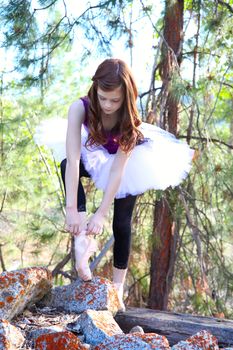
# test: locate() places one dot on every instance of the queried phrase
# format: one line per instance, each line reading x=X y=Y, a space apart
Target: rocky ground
x=36 y=315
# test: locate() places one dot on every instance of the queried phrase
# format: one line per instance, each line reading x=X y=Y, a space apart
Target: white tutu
x=51 y=134
x=161 y=161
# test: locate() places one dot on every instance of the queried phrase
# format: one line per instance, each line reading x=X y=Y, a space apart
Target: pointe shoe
x=85 y=246
x=119 y=288
x=119 y=276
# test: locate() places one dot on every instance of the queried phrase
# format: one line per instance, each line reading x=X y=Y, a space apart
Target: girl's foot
x=119 y=276
x=85 y=246
x=119 y=288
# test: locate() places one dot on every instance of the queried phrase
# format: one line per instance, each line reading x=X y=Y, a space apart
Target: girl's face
x=110 y=101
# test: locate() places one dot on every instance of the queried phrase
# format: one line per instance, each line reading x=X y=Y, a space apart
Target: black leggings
x=122 y=217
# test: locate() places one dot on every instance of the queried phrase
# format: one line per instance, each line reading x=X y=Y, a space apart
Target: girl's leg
x=84 y=246
x=81 y=198
x=122 y=217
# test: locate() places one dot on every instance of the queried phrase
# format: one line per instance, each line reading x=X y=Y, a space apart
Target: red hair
x=109 y=75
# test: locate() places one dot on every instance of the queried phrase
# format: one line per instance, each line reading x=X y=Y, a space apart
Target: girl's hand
x=75 y=221
x=95 y=224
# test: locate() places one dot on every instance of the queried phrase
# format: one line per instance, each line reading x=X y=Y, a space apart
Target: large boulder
x=10 y=337
x=97 y=326
x=21 y=288
x=79 y=296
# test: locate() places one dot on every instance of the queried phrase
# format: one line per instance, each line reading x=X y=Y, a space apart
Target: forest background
x=181 y=53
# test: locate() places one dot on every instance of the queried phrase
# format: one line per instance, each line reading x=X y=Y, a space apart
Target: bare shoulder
x=76 y=112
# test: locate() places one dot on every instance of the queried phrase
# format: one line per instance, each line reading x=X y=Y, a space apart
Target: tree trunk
x=164 y=252
x=163 y=256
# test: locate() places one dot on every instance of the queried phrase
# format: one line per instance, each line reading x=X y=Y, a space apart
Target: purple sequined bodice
x=112 y=144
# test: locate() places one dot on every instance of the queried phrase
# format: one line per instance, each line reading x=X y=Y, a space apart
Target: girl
x=107 y=141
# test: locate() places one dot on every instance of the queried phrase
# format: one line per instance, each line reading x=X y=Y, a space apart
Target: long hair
x=109 y=75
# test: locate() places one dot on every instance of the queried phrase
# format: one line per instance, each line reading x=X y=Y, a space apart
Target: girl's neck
x=109 y=121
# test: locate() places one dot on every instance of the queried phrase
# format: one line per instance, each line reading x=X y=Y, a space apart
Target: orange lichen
x=58 y=341
x=22 y=277
x=204 y=339
x=16 y=285
x=4 y=343
x=4 y=281
x=150 y=338
x=102 y=280
x=134 y=340
x=10 y=298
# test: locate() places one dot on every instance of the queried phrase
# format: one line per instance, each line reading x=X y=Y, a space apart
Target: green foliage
x=32 y=200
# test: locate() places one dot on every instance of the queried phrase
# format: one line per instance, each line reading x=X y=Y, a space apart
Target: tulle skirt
x=159 y=162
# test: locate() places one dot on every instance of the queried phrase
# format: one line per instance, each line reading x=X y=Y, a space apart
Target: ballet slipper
x=119 y=288
x=85 y=246
x=119 y=276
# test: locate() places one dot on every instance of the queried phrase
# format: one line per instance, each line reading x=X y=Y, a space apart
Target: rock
x=59 y=341
x=136 y=341
x=137 y=329
x=79 y=296
x=10 y=337
x=183 y=345
x=97 y=326
x=203 y=340
x=21 y=288
x=35 y=333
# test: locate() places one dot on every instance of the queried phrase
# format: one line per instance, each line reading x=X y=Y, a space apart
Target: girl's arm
x=96 y=222
x=76 y=116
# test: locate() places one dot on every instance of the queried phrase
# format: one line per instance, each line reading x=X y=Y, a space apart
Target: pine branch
x=61 y=264
x=207 y=139
x=3 y=266
x=91 y=8
x=66 y=275
x=194 y=78
x=46 y=7
x=103 y=252
x=201 y=52
x=229 y=85
x=228 y=6
x=169 y=49
x=3 y=200
x=149 y=92
x=193 y=226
